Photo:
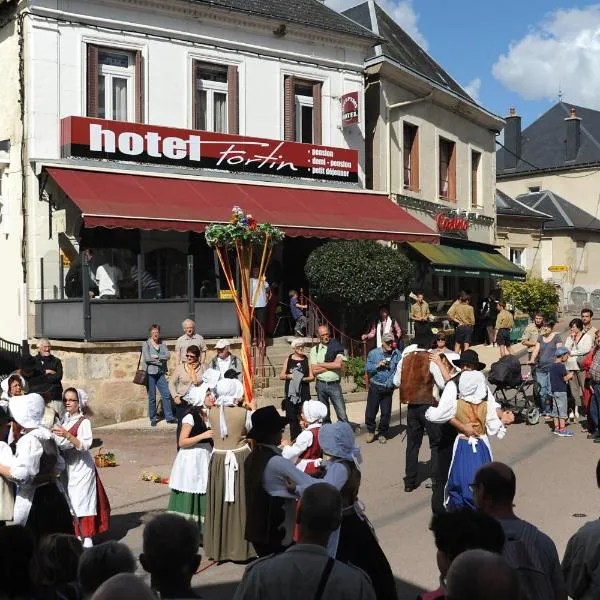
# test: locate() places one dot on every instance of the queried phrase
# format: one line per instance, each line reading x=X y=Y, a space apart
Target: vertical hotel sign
x=350 y=109
x=137 y=142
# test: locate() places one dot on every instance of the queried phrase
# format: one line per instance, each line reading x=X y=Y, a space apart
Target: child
x=558 y=385
x=297 y=314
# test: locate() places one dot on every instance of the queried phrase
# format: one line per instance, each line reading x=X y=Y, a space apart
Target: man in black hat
x=270 y=507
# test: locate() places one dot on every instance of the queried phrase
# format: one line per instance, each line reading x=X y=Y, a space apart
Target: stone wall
x=105 y=371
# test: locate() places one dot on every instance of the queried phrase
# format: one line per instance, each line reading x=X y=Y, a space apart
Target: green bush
x=355 y=368
x=531 y=295
x=356 y=273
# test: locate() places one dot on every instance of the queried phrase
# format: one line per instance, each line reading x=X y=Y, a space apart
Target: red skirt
x=89 y=526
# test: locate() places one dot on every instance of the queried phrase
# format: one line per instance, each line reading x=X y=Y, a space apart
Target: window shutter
x=233 y=102
x=139 y=87
x=414 y=171
x=92 y=81
x=317 y=114
x=289 y=109
x=452 y=174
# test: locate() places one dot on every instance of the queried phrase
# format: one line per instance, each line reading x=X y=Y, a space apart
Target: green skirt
x=190 y=506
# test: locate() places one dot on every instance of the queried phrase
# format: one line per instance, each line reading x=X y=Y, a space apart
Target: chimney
x=573 y=141
x=512 y=139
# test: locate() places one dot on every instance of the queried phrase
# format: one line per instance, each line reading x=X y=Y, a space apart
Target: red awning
x=146 y=202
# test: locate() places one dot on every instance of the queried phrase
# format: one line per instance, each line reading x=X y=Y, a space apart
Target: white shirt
x=223 y=364
x=433 y=369
x=261 y=299
x=300 y=445
x=108 y=276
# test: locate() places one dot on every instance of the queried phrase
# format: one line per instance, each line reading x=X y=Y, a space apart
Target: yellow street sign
x=558 y=268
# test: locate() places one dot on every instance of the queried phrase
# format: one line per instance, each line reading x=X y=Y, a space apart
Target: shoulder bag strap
x=140 y=357
x=324 y=578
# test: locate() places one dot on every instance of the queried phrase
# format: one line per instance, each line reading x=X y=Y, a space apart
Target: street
x=555 y=490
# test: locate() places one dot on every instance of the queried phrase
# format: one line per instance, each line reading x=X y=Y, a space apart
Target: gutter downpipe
x=389 y=108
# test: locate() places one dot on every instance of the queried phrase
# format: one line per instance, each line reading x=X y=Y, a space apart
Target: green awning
x=466 y=262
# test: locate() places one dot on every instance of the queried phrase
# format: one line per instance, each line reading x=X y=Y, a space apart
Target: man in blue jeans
x=381 y=367
x=595 y=399
x=326 y=360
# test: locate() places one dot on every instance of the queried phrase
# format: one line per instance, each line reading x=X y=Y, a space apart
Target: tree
x=357 y=273
x=532 y=295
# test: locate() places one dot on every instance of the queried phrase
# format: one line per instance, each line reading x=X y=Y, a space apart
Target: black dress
x=293 y=409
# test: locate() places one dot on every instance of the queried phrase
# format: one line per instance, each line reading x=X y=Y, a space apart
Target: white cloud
x=473 y=88
x=402 y=11
x=563 y=51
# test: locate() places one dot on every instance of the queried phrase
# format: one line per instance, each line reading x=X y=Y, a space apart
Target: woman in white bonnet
x=86 y=492
x=306 y=449
x=468 y=399
x=189 y=475
x=40 y=503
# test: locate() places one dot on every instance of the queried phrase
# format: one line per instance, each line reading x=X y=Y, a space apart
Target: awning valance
x=466 y=262
x=134 y=201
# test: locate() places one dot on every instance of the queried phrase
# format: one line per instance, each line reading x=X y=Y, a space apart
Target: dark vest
x=264 y=513
x=416 y=382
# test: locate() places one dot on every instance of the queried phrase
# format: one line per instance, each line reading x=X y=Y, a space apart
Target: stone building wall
x=105 y=371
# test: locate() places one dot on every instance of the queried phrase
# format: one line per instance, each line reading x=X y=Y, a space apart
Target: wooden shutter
x=139 y=87
x=233 y=101
x=414 y=161
x=317 y=114
x=289 y=109
x=92 y=81
x=452 y=173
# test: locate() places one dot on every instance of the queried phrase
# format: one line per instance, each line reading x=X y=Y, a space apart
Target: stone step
x=349 y=397
x=275 y=389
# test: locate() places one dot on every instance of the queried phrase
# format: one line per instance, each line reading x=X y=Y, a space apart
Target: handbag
x=141 y=375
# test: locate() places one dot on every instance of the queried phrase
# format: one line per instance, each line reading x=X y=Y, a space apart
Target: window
x=114 y=84
x=476 y=199
x=410 y=156
x=302 y=111
x=215 y=99
x=517 y=257
x=447 y=169
x=534 y=188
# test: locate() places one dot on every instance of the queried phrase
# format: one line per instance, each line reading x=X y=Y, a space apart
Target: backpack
x=522 y=555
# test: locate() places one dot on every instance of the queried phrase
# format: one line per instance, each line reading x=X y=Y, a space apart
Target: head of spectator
x=387 y=342
x=298 y=346
x=538 y=319
x=494 y=487
x=500 y=304
x=267 y=426
x=15 y=385
x=384 y=313
x=124 y=586
x=44 y=347
x=223 y=348
x=319 y=515
x=464 y=298
x=189 y=327
x=17 y=551
x=56 y=561
x=547 y=327
x=101 y=562
x=27 y=366
x=170 y=554
x=192 y=355
x=456 y=532
x=293 y=294
x=586 y=317
x=76 y=401
x=576 y=327
x=441 y=340
x=154 y=331
x=324 y=335
x=420 y=296
x=255 y=272
x=481 y=575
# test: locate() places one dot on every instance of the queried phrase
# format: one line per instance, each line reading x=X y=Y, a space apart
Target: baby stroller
x=506 y=376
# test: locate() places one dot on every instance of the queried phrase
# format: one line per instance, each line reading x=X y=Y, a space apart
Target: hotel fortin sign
x=349 y=109
x=141 y=143
x=446 y=223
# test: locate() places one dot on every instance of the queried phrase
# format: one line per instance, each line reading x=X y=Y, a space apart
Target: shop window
x=302 y=110
x=114 y=84
x=410 y=156
x=476 y=193
x=517 y=257
x=215 y=101
x=169 y=268
x=447 y=170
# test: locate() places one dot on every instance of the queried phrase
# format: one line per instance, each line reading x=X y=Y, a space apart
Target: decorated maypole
x=249 y=241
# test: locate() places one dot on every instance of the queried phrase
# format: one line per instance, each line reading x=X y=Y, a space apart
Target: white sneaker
x=577 y=413
x=571 y=416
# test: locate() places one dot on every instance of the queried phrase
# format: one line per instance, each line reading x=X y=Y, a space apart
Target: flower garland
x=242 y=228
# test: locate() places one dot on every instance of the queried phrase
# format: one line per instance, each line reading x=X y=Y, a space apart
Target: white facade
x=169 y=36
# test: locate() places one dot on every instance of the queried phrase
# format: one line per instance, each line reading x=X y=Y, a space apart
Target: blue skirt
x=465 y=463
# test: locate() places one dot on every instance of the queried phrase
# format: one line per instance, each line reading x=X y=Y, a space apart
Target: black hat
x=469 y=357
x=266 y=421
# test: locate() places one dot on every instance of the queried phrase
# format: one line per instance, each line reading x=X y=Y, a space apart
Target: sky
x=514 y=53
